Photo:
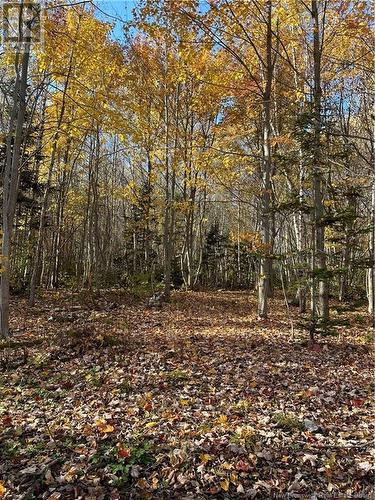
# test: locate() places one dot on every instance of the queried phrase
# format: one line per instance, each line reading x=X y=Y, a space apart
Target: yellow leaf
x=107 y=428
x=205 y=457
x=253 y=384
x=227 y=466
x=224 y=485
x=103 y=426
x=2 y=489
x=149 y=425
x=223 y=419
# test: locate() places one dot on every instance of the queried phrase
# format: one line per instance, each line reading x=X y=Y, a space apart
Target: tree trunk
x=320 y=307
x=35 y=277
x=371 y=269
x=167 y=211
x=11 y=179
x=264 y=267
x=170 y=187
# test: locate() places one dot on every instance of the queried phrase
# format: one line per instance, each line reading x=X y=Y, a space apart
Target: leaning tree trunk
x=10 y=181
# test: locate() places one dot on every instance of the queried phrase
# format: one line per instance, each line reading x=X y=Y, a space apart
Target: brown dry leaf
x=55 y=496
x=123 y=452
x=103 y=426
x=71 y=474
x=243 y=466
x=142 y=484
x=216 y=417
x=147 y=406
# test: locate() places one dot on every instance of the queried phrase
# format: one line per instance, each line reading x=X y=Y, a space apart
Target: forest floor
x=102 y=397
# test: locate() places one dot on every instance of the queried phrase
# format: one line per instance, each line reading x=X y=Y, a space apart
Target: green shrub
x=287 y=421
x=138 y=453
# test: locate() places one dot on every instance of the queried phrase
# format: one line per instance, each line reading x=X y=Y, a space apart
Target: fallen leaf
x=71 y=474
x=149 y=425
x=143 y=484
x=205 y=457
x=358 y=402
x=2 y=489
x=224 y=485
x=223 y=419
x=28 y=470
x=227 y=466
x=310 y=425
x=103 y=426
x=7 y=421
x=123 y=452
x=242 y=466
x=240 y=488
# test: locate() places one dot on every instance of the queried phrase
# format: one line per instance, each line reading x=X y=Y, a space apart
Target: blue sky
x=120 y=11
x=116 y=12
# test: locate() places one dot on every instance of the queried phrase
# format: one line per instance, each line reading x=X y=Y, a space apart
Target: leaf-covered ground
x=102 y=397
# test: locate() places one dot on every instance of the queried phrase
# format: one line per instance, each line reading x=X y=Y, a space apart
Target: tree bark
x=265 y=267
x=320 y=306
x=11 y=178
x=371 y=269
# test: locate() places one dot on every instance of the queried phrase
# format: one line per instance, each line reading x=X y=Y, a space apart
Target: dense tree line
x=229 y=144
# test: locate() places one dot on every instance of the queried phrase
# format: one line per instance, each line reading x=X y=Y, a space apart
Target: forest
x=187 y=248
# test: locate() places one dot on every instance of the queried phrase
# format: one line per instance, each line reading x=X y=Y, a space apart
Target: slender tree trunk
x=239 y=277
x=371 y=269
x=35 y=277
x=301 y=245
x=320 y=306
x=59 y=221
x=264 y=268
x=170 y=187
x=11 y=180
x=347 y=250
x=299 y=219
x=148 y=208
x=167 y=211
